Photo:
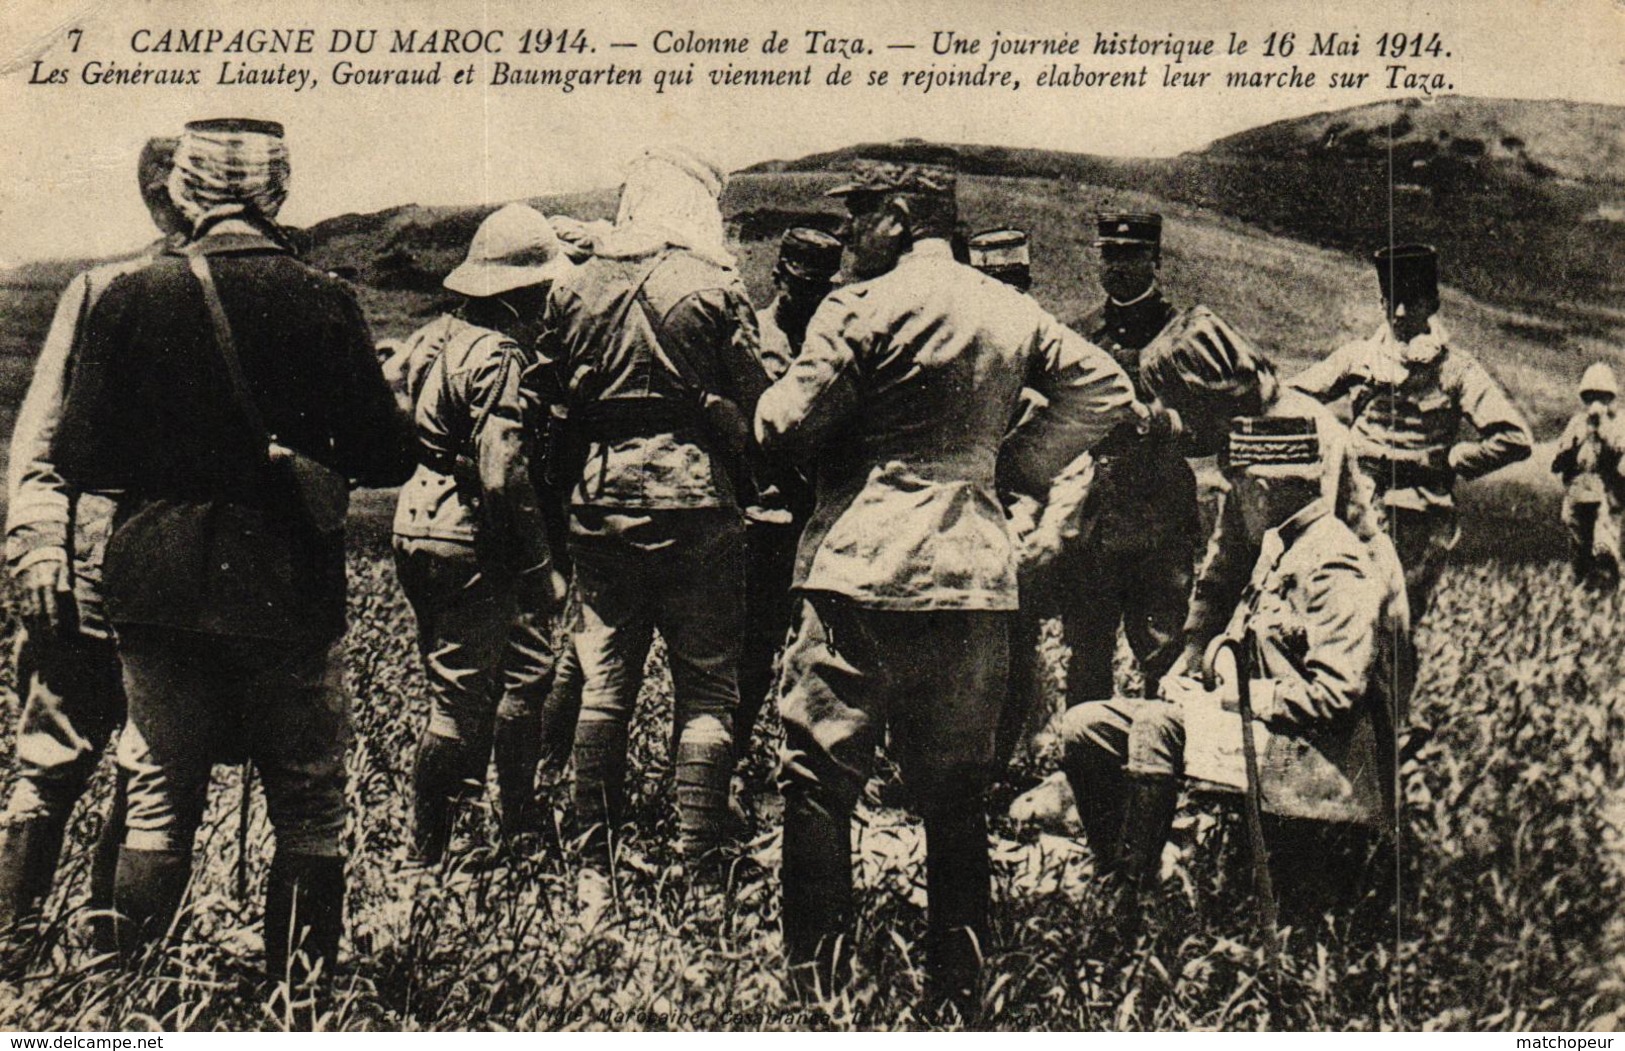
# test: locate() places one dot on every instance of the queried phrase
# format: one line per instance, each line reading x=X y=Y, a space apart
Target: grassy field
x=1511 y=877
x=1510 y=852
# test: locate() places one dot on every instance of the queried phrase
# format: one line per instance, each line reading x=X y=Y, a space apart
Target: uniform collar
x=929 y=248
x=233 y=240
x=1302 y=519
x=1425 y=349
x=1152 y=290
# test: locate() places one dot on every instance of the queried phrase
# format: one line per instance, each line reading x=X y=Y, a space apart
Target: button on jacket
x=203 y=543
x=936 y=354
x=1409 y=402
x=469 y=411
x=600 y=340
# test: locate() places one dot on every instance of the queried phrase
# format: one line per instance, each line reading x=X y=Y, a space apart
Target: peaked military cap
x=995 y=248
x=809 y=254
x=924 y=180
x=1271 y=442
x=1407 y=271
x=1128 y=228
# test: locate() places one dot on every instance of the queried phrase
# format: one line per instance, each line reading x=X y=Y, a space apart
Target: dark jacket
x=207 y=537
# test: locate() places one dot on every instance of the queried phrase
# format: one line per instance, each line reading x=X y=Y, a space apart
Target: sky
x=67 y=152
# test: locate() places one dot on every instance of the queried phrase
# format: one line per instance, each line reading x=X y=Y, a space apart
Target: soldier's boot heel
x=436 y=779
x=958 y=881
x=29 y=850
x=147 y=894
x=1148 y=813
x=104 y=868
x=304 y=920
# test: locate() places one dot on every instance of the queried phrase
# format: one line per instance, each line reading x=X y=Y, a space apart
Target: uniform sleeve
x=820 y=391
x=372 y=441
x=1329 y=378
x=1221 y=578
x=1503 y=433
x=37 y=512
x=1566 y=462
x=1341 y=617
x=1089 y=395
x=501 y=446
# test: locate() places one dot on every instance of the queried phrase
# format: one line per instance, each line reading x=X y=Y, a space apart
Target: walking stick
x=1263 y=885
x=242 y=831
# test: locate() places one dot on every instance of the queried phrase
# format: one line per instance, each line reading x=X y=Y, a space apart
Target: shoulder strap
x=223 y=339
x=675 y=360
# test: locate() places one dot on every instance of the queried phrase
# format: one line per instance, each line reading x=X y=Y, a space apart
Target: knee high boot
x=600 y=757
x=29 y=850
x=518 y=747
x=703 y=770
x=1098 y=788
x=147 y=894
x=1148 y=814
x=437 y=779
x=304 y=916
x=817 y=903
x=958 y=889
x=104 y=865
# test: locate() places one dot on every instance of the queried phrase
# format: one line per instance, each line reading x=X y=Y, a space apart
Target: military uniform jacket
x=472 y=482
x=45 y=516
x=1591 y=460
x=1144 y=492
x=1408 y=403
x=1314 y=612
x=600 y=343
x=904 y=388
x=206 y=538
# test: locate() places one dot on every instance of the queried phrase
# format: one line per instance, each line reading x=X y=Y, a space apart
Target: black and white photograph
x=1035 y=517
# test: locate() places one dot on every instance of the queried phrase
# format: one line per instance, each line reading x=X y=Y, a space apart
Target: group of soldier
x=902 y=465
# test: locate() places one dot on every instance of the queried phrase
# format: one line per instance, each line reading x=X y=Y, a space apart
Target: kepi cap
x=1128 y=228
x=887 y=177
x=515 y=247
x=996 y=248
x=809 y=253
x=1599 y=379
x=1407 y=272
x=1273 y=446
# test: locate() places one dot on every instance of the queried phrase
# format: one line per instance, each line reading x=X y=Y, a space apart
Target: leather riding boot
x=1148 y=815
x=304 y=917
x=518 y=747
x=1098 y=788
x=104 y=866
x=29 y=850
x=957 y=885
x=817 y=907
x=147 y=894
x=436 y=780
x=703 y=771
x=600 y=757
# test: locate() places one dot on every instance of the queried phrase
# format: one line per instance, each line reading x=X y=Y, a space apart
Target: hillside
x=1527 y=199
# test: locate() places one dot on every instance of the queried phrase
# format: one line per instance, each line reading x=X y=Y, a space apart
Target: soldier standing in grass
x=804 y=274
x=653 y=344
x=67 y=664
x=1410 y=388
x=903 y=391
x=1591 y=460
x=471 y=548
x=231 y=393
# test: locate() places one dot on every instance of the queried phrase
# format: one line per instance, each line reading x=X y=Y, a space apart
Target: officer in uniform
x=1003 y=255
x=903 y=391
x=231 y=392
x=1310 y=623
x=804 y=274
x=1410 y=388
x=67 y=665
x=652 y=344
x=1590 y=457
x=470 y=544
x=1128 y=557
